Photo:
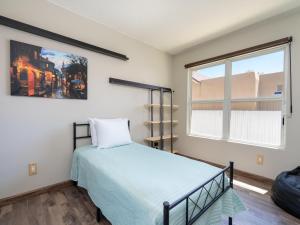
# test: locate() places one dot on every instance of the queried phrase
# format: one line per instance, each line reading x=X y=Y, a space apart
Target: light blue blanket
x=130 y=183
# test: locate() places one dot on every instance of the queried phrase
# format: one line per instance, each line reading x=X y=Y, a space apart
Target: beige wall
x=40 y=130
x=243 y=155
x=210 y=89
x=243 y=86
x=268 y=84
x=246 y=85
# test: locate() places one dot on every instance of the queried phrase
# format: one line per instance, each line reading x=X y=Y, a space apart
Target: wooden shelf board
x=169 y=150
x=157 y=138
x=158 y=106
x=158 y=122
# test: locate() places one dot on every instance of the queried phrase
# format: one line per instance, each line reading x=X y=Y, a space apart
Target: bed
x=164 y=189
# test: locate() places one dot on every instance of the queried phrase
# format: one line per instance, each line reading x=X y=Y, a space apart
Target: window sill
x=206 y=137
x=237 y=142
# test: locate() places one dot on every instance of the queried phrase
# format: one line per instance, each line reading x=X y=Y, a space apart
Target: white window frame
x=284 y=98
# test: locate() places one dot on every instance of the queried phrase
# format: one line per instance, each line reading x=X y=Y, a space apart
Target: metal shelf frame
x=152 y=89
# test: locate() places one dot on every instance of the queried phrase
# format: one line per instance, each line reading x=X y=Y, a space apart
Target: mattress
x=130 y=183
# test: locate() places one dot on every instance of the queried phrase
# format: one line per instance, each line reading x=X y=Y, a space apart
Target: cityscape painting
x=41 y=72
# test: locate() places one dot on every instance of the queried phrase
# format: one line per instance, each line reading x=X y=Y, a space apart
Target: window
x=23 y=75
x=279 y=89
x=241 y=99
x=207 y=101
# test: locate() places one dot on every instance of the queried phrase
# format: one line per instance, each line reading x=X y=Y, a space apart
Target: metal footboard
x=191 y=215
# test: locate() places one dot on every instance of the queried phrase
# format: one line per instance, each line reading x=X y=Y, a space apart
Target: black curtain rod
x=241 y=52
x=137 y=85
x=57 y=37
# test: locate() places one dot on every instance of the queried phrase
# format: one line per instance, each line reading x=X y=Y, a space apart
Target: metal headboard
x=88 y=133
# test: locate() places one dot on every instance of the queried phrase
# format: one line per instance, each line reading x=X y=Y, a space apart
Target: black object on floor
x=286 y=191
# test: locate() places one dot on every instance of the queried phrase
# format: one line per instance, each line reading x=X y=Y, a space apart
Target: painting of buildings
x=41 y=72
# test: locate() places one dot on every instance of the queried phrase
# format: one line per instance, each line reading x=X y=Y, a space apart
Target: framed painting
x=40 y=72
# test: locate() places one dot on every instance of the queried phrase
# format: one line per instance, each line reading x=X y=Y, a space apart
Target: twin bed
x=137 y=185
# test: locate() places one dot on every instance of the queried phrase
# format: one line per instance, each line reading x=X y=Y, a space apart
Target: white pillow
x=93 y=131
x=112 y=132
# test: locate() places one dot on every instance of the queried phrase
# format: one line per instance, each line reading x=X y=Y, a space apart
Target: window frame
x=284 y=98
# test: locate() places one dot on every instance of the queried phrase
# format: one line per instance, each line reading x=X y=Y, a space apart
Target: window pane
x=208 y=83
x=260 y=76
x=207 y=119
x=256 y=122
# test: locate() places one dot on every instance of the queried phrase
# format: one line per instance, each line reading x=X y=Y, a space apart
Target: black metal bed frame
x=88 y=132
x=200 y=191
x=206 y=188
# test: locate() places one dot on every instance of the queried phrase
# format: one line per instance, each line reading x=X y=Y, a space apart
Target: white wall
x=243 y=155
x=40 y=130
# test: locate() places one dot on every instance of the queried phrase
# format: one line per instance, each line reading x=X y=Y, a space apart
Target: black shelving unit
x=161 y=116
x=162 y=91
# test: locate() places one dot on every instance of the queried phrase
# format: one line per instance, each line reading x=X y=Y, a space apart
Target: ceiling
x=174 y=25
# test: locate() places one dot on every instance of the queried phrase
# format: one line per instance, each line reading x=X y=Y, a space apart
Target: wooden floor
x=72 y=206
